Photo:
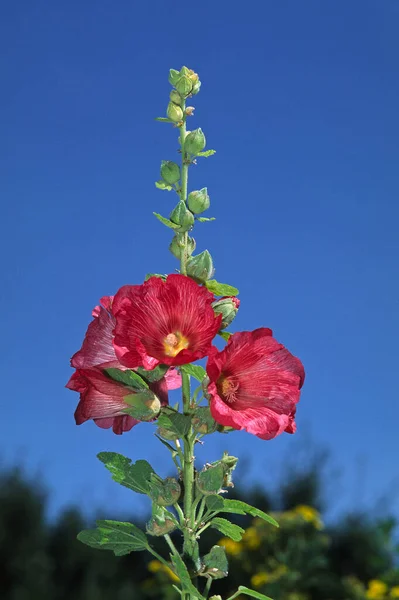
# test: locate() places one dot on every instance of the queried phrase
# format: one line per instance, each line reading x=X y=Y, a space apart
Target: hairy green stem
x=207 y=587
x=183 y=189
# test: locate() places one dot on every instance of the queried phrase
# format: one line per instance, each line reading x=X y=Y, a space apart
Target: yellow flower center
x=175 y=343
x=227 y=389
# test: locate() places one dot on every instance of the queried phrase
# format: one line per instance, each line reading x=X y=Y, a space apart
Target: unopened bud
x=196 y=88
x=190 y=111
x=174 y=112
x=200 y=267
x=175 y=97
x=180 y=215
x=176 y=246
x=202 y=421
x=184 y=85
x=164 y=492
x=227 y=307
x=195 y=141
x=158 y=527
x=170 y=171
x=198 y=201
x=143 y=406
x=173 y=76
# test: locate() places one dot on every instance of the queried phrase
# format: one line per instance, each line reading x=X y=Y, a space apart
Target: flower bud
x=198 y=201
x=166 y=434
x=180 y=215
x=195 y=141
x=176 y=246
x=202 y=421
x=190 y=111
x=175 y=97
x=173 y=76
x=170 y=171
x=143 y=406
x=215 y=597
x=228 y=308
x=200 y=267
x=184 y=85
x=164 y=492
x=161 y=522
x=185 y=71
x=174 y=112
x=196 y=88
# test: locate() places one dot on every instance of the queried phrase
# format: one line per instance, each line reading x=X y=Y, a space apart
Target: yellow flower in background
x=251 y=538
x=394 y=593
x=259 y=579
x=376 y=590
x=309 y=514
x=155 y=566
x=233 y=548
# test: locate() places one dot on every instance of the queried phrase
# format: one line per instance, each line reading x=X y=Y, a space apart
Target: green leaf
x=215 y=503
x=175 y=422
x=221 y=289
x=129 y=378
x=147 y=277
x=162 y=185
x=166 y=221
x=167 y=445
x=216 y=565
x=206 y=153
x=121 y=538
x=205 y=219
x=210 y=480
x=184 y=576
x=154 y=375
x=230 y=529
x=233 y=506
x=202 y=420
x=252 y=593
x=143 y=405
x=195 y=371
x=134 y=476
x=163 y=119
x=225 y=335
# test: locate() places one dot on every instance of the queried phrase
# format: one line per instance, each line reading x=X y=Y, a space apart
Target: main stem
x=183 y=189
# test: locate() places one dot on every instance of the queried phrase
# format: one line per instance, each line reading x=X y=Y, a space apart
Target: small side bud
x=170 y=171
x=196 y=88
x=143 y=406
x=164 y=492
x=180 y=215
x=173 y=76
x=202 y=421
x=184 y=85
x=228 y=308
x=175 y=97
x=198 y=201
x=174 y=112
x=200 y=267
x=176 y=246
x=195 y=142
x=190 y=111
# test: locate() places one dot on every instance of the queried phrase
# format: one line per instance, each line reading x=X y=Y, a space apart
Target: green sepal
x=215 y=563
x=161 y=522
x=163 y=119
x=129 y=378
x=166 y=221
x=239 y=507
x=135 y=476
x=173 y=76
x=195 y=371
x=200 y=267
x=202 y=420
x=225 y=335
x=235 y=532
x=182 y=217
x=143 y=406
x=205 y=219
x=154 y=375
x=221 y=289
x=184 y=576
x=174 y=422
x=215 y=503
x=164 y=492
x=206 y=153
x=162 y=185
x=121 y=538
x=210 y=479
x=148 y=276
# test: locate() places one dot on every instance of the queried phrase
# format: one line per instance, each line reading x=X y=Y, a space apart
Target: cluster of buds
x=185 y=83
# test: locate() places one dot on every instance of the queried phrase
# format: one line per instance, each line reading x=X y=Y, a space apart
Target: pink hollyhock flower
x=254 y=384
x=102 y=399
x=169 y=322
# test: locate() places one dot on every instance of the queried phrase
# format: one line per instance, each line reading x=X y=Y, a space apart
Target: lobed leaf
x=135 y=476
x=121 y=538
x=195 y=371
x=184 y=576
x=129 y=378
x=175 y=422
x=216 y=564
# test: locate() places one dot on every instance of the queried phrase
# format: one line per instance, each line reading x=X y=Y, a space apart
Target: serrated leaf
x=162 y=185
x=184 y=576
x=221 y=289
x=210 y=480
x=252 y=593
x=121 y=538
x=226 y=335
x=154 y=375
x=232 y=506
x=175 y=422
x=230 y=529
x=163 y=119
x=216 y=564
x=128 y=378
x=214 y=503
x=206 y=153
x=195 y=371
x=166 y=221
x=135 y=476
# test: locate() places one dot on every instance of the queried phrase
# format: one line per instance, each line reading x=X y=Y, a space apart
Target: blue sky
x=300 y=100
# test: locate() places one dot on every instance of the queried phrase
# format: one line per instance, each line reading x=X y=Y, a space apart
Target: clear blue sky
x=300 y=100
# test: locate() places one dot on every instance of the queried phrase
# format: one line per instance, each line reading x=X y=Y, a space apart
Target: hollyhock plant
x=254 y=384
x=141 y=343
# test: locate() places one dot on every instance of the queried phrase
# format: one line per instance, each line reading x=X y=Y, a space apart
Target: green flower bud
x=185 y=71
x=161 y=521
x=200 y=267
x=166 y=434
x=173 y=76
x=143 y=406
x=196 y=88
x=202 y=421
x=180 y=215
x=174 y=112
x=228 y=308
x=184 y=85
x=176 y=246
x=170 y=171
x=175 y=97
x=195 y=142
x=198 y=201
x=164 y=492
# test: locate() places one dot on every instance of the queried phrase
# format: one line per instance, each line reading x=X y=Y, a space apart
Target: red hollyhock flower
x=169 y=322
x=254 y=384
x=102 y=399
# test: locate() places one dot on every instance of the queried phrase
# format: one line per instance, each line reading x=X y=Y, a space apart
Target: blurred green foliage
x=302 y=560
